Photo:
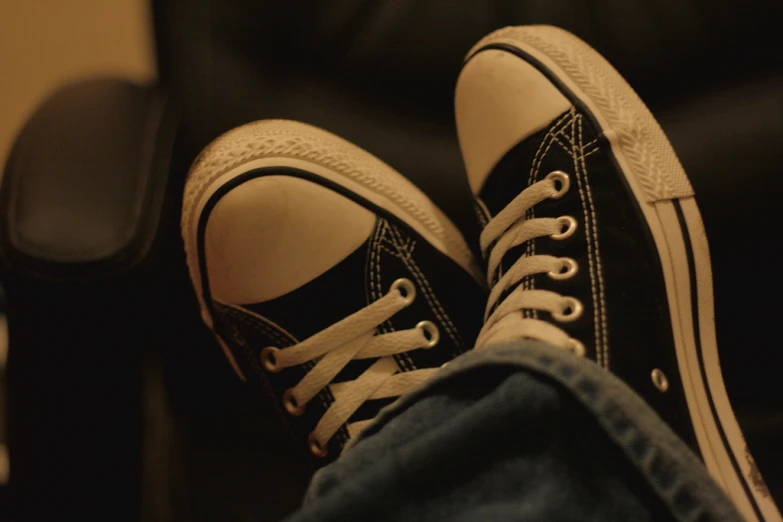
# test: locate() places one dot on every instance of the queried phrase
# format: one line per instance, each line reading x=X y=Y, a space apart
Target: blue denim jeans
x=521 y=431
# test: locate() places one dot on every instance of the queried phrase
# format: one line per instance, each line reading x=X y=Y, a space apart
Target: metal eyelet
x=406 y=289
x=315 y=447
x=577 y=348
x=430 y=332
x=269 y=359
x=572 y=310
x=291 y=404
x=568 y=269
x=567 y=226
x=561 y=177
x=659 y=380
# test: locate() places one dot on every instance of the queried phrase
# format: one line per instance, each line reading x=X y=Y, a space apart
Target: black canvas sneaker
x=593 y=238
x=329 y=280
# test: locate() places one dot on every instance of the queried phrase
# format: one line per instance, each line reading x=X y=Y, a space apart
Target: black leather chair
x=121 y=405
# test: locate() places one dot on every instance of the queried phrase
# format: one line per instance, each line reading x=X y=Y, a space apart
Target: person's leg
x=522 y=431
x=336 y=286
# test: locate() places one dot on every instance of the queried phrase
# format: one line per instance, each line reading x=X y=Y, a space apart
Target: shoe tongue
x=525 y=164
x=529 y=161
x=510 y=176
x=508 y=179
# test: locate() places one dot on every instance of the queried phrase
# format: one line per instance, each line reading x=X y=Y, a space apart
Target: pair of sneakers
x=335 y=285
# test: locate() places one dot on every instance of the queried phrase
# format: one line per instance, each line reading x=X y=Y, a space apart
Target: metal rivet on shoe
x=567 y=228
x=315 y=447
x=572 y=310
x=406 y=289
x=559 y=177
x=269 y=359
x=430 y=332
x=659 y=380
x=568 y=269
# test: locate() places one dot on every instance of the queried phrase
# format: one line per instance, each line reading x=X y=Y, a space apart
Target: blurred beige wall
x=44 y=43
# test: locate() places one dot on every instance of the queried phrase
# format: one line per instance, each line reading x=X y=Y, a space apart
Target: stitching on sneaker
x=432 y=300
x=402 y=358
x=376 y=286
x=539 y=156
x=376 y=245
x=528 y=283
x=589 y=213
x=480 y=214
x=599 y=271
x=588 y=154
x=586 y=145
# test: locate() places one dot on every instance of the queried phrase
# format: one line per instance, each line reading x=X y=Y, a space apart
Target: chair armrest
x=85 y=181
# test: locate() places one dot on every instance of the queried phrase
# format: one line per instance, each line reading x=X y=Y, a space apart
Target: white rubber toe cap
x=500 y=101
x=273 y=234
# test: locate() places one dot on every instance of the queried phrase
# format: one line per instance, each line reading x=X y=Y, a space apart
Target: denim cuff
x=670 y=468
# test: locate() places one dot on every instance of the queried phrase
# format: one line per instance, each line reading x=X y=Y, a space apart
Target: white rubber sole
x=666 y=198
x=280 y=143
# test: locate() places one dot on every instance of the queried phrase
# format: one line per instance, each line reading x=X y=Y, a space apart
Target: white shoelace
x=511 y=228
x=354 y=338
